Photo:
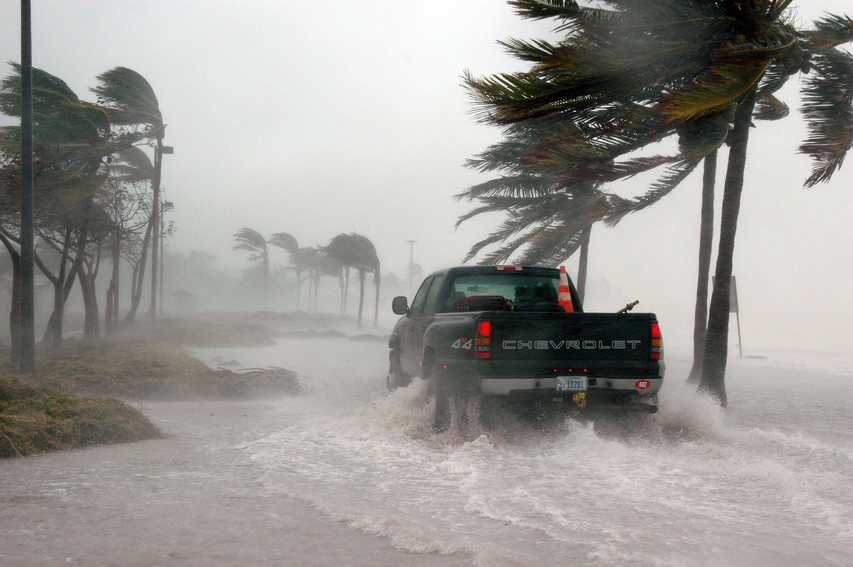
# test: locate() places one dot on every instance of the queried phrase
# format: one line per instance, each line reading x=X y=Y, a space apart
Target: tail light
x=483 y=340
x=656 y=351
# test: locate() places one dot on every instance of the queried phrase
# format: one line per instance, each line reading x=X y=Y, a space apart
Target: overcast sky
x=322 y=117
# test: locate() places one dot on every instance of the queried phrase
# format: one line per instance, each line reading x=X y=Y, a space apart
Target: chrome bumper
x=506 y=386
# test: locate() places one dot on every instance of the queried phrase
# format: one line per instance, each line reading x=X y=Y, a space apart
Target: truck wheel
x=396 y=378
x=441 y=390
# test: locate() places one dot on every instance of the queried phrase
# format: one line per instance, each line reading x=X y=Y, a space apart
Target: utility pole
x=165 y=206
x=411 y=265
x=26 y=361
x=162 y=254
x=159 y=151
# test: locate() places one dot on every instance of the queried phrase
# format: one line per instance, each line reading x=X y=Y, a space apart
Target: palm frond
x=830 y=31
x=285 y=241
x=828 y=111
x=249 y=239
x=129 y=97
x=673 y=177
x=713 y=92
x=768 y=107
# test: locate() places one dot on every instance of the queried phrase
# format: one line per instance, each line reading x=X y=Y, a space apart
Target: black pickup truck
x=504 y=331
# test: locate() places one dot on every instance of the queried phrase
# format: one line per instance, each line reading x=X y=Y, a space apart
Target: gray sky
x=322 y=117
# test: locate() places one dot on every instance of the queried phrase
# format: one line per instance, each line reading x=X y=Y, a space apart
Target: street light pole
x=159 y=151
x=165 y=206
x=26 y=359
x=412 y=265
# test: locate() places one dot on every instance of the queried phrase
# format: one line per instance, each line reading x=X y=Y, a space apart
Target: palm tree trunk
x=111 y=316
x=378 y=280
x=346 y=290
x=15 y=314
x=716 y=338
x=139 y=272
x=706 y=237
x=15 y=310
x=361 y=274
x=266 y=280
x=341 y=284
x=316 y=291
x=583 y=262
x=155 y=222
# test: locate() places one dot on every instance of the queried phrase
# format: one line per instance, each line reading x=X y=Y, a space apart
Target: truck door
x=411 y=343
x=424 y=319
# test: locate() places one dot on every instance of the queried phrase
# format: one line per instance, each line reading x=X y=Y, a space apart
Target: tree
x=127 y=200
x=626 y=59
x=289 y=244
x=73 y=139
x=253 y=242
x=357 y=251
x=131 y=101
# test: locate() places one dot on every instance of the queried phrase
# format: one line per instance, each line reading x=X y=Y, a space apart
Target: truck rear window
x=503 y=291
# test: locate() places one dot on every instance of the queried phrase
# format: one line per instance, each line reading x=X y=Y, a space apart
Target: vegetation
x=358 y=252
x=96 y=191
x=130 y=101
x=144 y=369
x=626 y=75
x=34 y=420
x=343 y=253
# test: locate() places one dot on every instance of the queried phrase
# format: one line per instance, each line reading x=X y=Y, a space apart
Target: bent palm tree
x=131 y=101
x=251 y=241
x=357 y=251
x=625 y=54
x=289 y=244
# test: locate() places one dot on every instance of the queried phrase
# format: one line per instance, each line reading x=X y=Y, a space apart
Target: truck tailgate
x=603 y=343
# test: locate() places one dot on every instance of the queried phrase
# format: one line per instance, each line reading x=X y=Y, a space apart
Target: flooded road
x=350 y=475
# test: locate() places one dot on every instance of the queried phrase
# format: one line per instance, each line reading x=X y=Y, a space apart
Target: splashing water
x=766 y=482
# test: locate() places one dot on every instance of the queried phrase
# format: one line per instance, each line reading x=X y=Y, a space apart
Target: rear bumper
x=546 y=386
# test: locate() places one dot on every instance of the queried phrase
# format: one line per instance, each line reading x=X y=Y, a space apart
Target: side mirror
x=400 y=305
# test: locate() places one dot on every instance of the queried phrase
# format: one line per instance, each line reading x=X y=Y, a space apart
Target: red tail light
x=483 y=340
x=656 y=350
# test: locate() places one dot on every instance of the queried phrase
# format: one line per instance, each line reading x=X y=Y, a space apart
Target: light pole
x=411 y=265
x=26 y=339
x=165 y=206
x=159 y=151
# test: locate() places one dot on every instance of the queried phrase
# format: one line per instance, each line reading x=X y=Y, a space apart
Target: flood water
x=767 y=482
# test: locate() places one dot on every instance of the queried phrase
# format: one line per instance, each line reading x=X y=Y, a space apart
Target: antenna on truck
x=628 y=307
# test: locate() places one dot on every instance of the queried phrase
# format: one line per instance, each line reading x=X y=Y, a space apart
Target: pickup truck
x=507 y=331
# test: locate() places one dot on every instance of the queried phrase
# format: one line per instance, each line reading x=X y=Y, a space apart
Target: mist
x=324 y=118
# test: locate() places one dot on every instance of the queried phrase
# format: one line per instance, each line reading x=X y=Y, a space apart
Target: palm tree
x=627 y=54
x=357 y=251
x=289 y=244
x=72 y=140
x=251 y=241
x=131 y=101
x=550 y=189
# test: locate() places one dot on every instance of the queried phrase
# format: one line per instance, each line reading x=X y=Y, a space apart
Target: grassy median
x=34 y=420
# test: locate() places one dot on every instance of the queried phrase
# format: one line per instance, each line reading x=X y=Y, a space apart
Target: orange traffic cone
x=564 y=296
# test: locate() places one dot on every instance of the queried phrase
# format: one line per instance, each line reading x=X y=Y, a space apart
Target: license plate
x=572 y=383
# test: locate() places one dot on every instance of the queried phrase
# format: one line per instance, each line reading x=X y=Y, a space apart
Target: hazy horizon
x=320 y=118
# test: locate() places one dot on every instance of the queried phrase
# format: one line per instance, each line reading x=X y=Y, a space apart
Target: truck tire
x=441 y=391
x=396 y=378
